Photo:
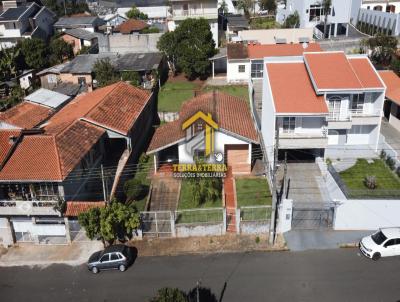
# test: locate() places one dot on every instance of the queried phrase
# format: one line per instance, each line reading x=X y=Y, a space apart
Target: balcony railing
x=28 y=207
x=323 y=133
x=205 y=13
x=348 y=116
x=361 y=113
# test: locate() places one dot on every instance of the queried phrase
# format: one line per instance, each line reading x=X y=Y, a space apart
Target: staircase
x=230 y=202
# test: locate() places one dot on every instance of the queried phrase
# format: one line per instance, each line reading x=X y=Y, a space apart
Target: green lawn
x=388 y=183
x=264 y=23
x=173 y=94
x=186 y=201
x=252 y=192
x=239 y=91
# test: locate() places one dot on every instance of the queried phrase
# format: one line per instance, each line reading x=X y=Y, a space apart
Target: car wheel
x=122 y=268
x=95 y=270
x=376 y=256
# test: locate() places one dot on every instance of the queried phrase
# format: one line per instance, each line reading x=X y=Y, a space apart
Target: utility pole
x=271 y=238
x=65 y=9
x=104 y=184
x=285 y=180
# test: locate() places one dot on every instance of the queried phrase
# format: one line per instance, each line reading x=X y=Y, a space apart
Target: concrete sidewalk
x=302 y=240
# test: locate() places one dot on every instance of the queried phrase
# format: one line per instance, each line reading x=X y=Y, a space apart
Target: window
x=114 y=257
x=52 y=78
x=242 y=68
x=317 y=12
x=105 y=258
x=390 y=242
x=334 y=107
x=289 y=124
x=358 y=103
x=378 y=238
x=257 y=69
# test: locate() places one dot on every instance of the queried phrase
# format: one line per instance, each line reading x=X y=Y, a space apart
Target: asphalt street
x=325 y=275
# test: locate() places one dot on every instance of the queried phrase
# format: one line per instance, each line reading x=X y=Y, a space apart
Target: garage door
x=27 y=231
x=237 y=157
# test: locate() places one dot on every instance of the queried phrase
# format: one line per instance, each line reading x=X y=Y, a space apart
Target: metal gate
x=157 y=223
x=312 y=216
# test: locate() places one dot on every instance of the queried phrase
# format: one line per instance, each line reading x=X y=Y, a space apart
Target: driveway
x=392 y=136
x=165 y=194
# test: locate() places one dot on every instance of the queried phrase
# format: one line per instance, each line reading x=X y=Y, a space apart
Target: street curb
x=348 y=245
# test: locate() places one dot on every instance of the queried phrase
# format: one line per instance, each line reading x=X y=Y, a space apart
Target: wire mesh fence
x=199 y=216
x=255 y=213
x=157 y=223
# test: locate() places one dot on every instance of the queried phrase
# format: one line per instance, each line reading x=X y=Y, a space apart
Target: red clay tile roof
x=333 y=70
x=259 y=51
x=5 y=144
x=292 y=89
x=232 y=115
x=74 y=208
x=237 y=51
x=67 y=138
x=130 y=26
x=25 y=115
x=392 y=82
x=365 y=72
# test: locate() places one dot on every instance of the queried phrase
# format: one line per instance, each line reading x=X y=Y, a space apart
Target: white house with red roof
x=325 y=104
x=391 y=109
x=52 y=158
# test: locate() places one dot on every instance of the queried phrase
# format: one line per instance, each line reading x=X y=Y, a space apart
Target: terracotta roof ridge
x=58 y=157
x=355 y=73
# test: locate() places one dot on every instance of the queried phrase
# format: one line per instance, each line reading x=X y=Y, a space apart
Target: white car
x=383 y=243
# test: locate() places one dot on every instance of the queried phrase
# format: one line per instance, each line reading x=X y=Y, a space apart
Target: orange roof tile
x=5 y=143
x=74 y=208
x=334 y=71
x=26 y=115
x=392 y=82
x=259 y=51
x=232 y=114
x=131 y=25
x=292 y=89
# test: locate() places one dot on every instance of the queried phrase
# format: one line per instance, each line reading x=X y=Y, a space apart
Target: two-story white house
x=312 y=14
x=25 y=22
x=323 y=104
x=184 y=9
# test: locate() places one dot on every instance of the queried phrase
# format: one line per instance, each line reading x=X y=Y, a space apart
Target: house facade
x=388 y=6
x=312 y=15
x=207 y=9
x=391 y=108
x=372 y=21
x=89 y=23
x=79 y=38
x=24 y=22
x=232 y=127
x=323 y=104
x=56 y=159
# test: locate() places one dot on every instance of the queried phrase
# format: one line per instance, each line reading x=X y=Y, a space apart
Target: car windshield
x=379 y=238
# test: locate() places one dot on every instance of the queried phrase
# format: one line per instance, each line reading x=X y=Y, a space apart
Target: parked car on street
x=112 y=257
x=383 y=243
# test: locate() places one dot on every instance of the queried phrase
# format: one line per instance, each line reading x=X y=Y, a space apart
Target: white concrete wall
x=254 y=227
x=232 y=73
x=311 y=126
x=381 y=19
x=394 y=121
x=367 y=214
x=189 y=230
x=371 y=4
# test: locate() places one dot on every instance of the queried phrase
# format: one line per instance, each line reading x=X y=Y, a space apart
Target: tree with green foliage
x=60 y=51
x=71 y=7
x=9 y=63
x=150 y=30
x=269 y=5
x=292 y=21
x=326 y=5
x=35 y=52
x=382 y=48
x=105 y=72
x=223 y=8
x=135 y=13
x=395 y=66
x=133 y=189
x=189 y=47
x=246 y=6
x=114 y=221
x=168 y=294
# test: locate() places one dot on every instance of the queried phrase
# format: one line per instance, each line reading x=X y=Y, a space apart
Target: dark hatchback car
x=112 y=257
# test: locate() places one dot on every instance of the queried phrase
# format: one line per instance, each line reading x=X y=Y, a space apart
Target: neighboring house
x=112 y=21
x=391 y=109
x=129 y=43
x=26 y=78
x=156 y=10
x=245 y=61
x=58 y=161
x=131 y=26
x=89 y=23
x=79 y=38
x=50 y=77
x=207 y=9
x=272 y=36
x=234 y=24
x=80 y=69
x=235 y=134
x=373 y=21
x=25 y=22
x=312 y=15
x=388 y=6
x=323 y=103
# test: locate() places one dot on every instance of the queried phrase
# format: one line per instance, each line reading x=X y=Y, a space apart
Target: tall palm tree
x=8 y=62
x=326 y=5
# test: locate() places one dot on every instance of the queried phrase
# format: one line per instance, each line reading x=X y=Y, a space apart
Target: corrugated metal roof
x=47 y=98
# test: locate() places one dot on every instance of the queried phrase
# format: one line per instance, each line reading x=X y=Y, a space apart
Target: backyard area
x=253 y=192
x=174 y=93
x=387 y=183
x=264 y=23
x=202 y=212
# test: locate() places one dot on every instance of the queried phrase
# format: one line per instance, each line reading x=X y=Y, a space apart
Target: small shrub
x=328 y=161
x=144 y=159
x=383 y=155
x=257 y=240
x=370 y=182
x=390 y=163
x=133 y=189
